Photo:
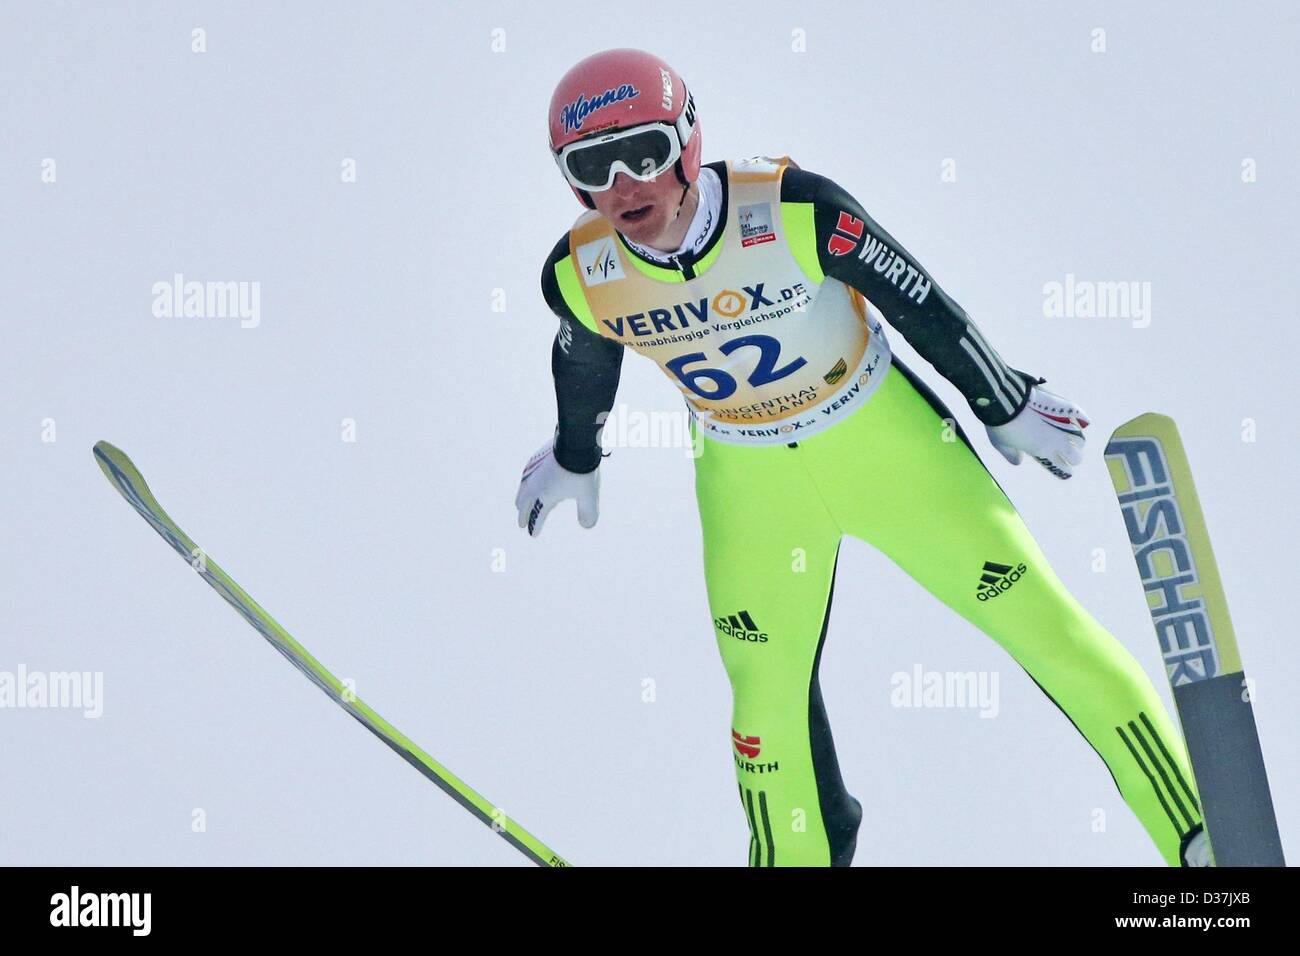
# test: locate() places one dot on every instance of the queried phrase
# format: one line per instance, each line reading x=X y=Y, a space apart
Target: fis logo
x=747 y=748
x=836 y=373
x=598 y=262
x=740 y=626
x=997 y=579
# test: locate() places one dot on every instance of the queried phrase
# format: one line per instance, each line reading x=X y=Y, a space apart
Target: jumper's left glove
x=1049 y=429
x=545 y=483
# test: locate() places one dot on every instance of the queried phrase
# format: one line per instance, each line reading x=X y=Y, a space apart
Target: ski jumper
x=810 y=429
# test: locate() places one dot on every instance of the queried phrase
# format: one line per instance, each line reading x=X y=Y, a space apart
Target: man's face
x=641 y=211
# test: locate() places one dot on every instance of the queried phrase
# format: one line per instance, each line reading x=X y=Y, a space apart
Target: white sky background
x=376 y=305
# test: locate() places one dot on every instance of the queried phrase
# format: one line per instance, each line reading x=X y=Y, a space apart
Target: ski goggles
x=643 y=152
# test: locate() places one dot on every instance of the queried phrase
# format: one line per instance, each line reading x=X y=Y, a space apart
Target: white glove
x=545 y=483
x=1049 y=428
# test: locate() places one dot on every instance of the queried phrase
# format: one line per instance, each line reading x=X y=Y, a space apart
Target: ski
x=1162 y=514
x=126 y=478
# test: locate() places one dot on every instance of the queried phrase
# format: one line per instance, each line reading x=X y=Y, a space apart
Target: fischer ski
x=126 y=478
x=1162 y=514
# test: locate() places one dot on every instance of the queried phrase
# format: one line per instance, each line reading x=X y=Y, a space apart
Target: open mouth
x=636 y=215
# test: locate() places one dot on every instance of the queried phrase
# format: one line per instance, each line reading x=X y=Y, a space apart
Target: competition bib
x=763 y=352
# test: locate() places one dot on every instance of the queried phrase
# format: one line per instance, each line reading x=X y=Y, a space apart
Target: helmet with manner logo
x=622 y=111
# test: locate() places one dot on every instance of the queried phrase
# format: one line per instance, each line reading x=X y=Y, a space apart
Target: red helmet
x=617 y=90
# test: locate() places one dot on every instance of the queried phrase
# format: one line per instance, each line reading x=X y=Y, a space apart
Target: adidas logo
x=998 y=578
x=836 y=373
x=740 y=626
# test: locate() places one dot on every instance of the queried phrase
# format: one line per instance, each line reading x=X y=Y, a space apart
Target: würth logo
x=840 y=245
x=998 y=578
x=747 y=748
x=740 y=626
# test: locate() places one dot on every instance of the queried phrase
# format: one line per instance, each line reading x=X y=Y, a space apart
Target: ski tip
x=113 y=461
x=106 y=453
x=1147 y=417
x=1145 y=424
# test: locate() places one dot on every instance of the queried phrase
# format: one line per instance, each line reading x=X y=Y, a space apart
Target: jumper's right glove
x=1049 y=427
x=545 y=483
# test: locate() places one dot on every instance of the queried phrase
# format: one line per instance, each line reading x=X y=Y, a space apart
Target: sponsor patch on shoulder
x=756 y=224
x=598 y=262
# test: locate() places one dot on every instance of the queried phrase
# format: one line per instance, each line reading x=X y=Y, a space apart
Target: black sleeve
x=586 y=367
x=852 y=248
